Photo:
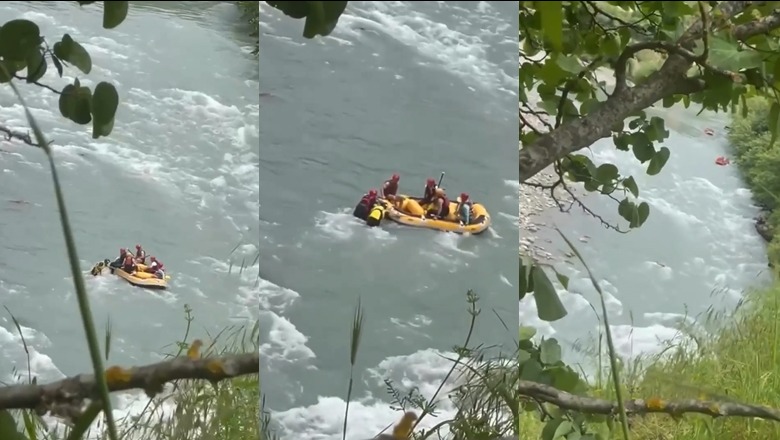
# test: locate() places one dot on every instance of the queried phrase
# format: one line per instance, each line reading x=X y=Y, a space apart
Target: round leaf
x=658 y=161
x=75 y=103
x=69 y=50
x=36 y=66
x=550 y=352
x=526 y=332
x=630 y=184
x=114 y=13
x=18 y=38
x=104 y=104
x=607 y=172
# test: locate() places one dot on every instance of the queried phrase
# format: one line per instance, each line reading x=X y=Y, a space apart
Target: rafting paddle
x=440 y=179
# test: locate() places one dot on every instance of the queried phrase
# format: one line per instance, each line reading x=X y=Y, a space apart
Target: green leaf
x=658 y=161
x=548 y=305
x=69 y=50
x=114 y=13
x=36 y=66
x=564 y=428
x=643 y=210
x=8 y=428
x=630 y=184
x=726 y=55
x=625 y=209
x=104 y=104
x=321 y=17
x=550 y=352
x=774 y=121
x=552 y=22
x=563 y=279
x=527 y=333
x=550 y=428
x=569 y=63
x=642 y=147
x=607 y=173
x=75 y=103
x=18 y=38
x=776 y=73
x=29 y=425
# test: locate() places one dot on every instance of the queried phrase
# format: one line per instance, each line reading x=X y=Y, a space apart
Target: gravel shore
x=534 y=203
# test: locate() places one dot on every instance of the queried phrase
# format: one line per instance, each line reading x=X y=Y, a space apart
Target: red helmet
x=154 y=258
x=372 y=193
x=464 y=197
x=138 y=246
x=395 y=178
x=430 y=182
x=122 y=250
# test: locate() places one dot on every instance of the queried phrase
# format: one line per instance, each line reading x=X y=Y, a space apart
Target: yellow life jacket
x=377 y=212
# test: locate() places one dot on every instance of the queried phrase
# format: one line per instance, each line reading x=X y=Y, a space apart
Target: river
x=178 y=175
x=697 y=251
x=413 y=88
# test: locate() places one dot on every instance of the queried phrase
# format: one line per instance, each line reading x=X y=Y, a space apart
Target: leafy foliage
x=591 y=70
x=251 y=13
x=24 y=49
x=321 y=17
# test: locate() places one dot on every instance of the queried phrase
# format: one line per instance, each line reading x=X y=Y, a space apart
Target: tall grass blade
x=610 y=343
x=357 y=327
x=78 y=280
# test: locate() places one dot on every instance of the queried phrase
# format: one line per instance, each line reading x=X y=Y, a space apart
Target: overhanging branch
x=667 y=81
x=151 y=378
x=591 y=405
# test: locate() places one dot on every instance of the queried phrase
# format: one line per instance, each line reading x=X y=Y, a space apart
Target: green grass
x=229 y=410
x=482 y=383
x=739 y=362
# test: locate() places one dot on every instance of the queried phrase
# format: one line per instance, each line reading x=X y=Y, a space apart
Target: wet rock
x=763 y=227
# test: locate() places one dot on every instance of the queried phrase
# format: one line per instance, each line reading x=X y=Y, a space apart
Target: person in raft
x=364 y=206
x=390 y=187
x=120 y=259
x=140 y=254
x=128 y=265
x=156 y=267
x=464 y=209
x=429 y=192
x=440 y=207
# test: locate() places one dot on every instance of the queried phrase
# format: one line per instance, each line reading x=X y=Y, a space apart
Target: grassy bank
x=186 y=409
x=736 y=358
x=739 y=363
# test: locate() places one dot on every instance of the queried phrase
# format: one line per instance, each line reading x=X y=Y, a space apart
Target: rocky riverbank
x=534 y=204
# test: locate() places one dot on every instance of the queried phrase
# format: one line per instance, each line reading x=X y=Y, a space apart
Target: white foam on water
x=461 y=50
x=210 y=177
x=690 y=201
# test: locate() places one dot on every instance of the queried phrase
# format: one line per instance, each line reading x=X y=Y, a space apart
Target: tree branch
x=72 y=391
x=667 y=81
x=568 y=401
x=18 y=135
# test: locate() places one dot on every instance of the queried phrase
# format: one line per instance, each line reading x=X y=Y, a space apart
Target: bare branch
x=18 y=135
x=564 y=400
x=150 y=378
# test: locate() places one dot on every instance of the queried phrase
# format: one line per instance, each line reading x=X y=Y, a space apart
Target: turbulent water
x=178 y=175
x=698 y=249
x=412 y=88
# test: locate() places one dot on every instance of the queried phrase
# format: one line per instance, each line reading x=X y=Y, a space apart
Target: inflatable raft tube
x=142 y=279
x=407 y=211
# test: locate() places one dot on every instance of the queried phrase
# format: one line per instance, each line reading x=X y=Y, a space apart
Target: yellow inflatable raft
x=407 y=211
x=142 y=279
